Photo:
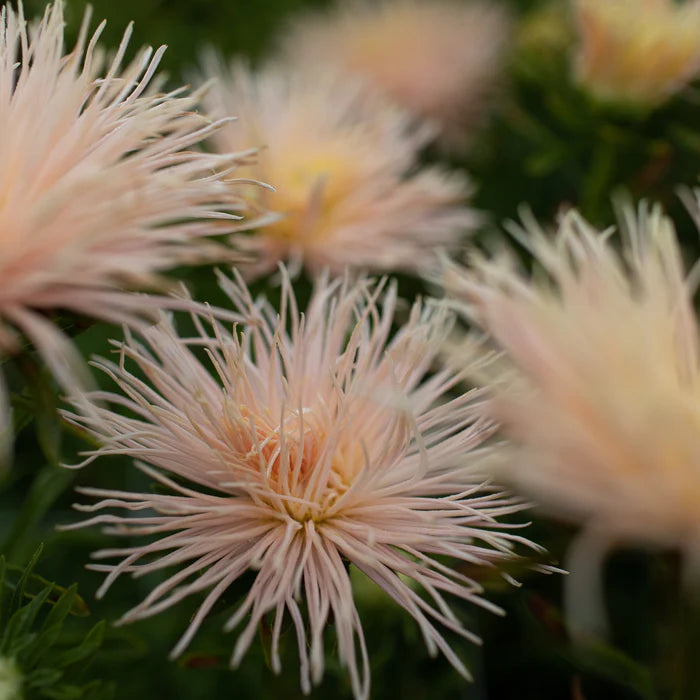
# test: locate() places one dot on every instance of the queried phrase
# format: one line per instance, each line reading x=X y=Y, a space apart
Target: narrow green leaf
x=18 y=594
x=89 y=646
x=42 y=677
x=12 y=630
x=32 y=609
x=62 y=607
x=48 y=485
x=46 y=420
x=3 y=568
x=608 y=662
x=38 y=583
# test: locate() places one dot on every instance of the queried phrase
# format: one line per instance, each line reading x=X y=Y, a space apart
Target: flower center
x=311 y=188
x=296 y=458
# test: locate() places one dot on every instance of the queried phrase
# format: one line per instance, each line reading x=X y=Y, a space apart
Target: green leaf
x=3 y=569
x=31 y=610
x=51 y=629
x=47 y=421
x=62 y=607
x=607 y=662
x=18 y=594
x=12 y=633
x=42 y=677
x=18 y=643
x=79 y=607
x=89 y=646
x=48 y=485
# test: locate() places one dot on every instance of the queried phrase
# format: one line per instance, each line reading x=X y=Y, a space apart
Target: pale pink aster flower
x=348 y=185
x=440 y=59
x=598 y=386
x=316 y=441
x=637 y=51
x=98 y=190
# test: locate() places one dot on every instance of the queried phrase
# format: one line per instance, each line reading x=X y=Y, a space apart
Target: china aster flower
x=598 y=384
x=637 y=51
x=439 y=59
x=348 y=186
x=99 y=187
x=309 y=442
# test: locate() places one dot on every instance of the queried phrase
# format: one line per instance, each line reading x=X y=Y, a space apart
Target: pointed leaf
x=18 y=594
x=3 y=569
x=89 y=646
x=62 y=607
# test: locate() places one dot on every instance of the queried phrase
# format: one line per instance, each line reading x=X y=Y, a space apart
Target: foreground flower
x=317 y=442
x=439 y=59
x=98 y=191
x=637 y=51
x=599 y=384
x=344 y=166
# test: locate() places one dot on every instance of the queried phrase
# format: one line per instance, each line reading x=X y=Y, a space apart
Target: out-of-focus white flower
x=440 y=59
x=10 y=679
x=318 y=441
x=598 y=384
x=348 y=185
x=637 y=51
x=99 y=189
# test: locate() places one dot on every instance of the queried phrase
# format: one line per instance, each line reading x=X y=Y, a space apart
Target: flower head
x=637 y=51
x=318 y=441
x=10 y=679
x=598 y=386
x=439 y=59
x=98 y=190
x=345 y=170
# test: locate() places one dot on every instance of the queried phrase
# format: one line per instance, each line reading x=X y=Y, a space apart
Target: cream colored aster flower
x=348 y=186
x=440 y=59
x=309 y=442
x=598 y=386
x=99 y=189
x=10 y=679
x=637 y=51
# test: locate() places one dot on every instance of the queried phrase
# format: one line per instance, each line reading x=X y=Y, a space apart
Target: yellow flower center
x=312 y=185
x=290 y=458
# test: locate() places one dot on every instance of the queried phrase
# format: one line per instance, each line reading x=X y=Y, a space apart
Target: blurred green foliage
x=42 y=657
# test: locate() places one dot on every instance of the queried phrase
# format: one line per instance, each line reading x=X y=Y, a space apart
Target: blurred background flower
x=440 y=60
x=349 y=187
x=597 y=388
x=637 y=51
x=598 y=385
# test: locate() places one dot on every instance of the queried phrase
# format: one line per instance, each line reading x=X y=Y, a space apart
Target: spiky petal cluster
x=98 y=190
x=599 y=383
x=637 y=51
x=318 y=441
x=344 y=165
x=439 y=59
